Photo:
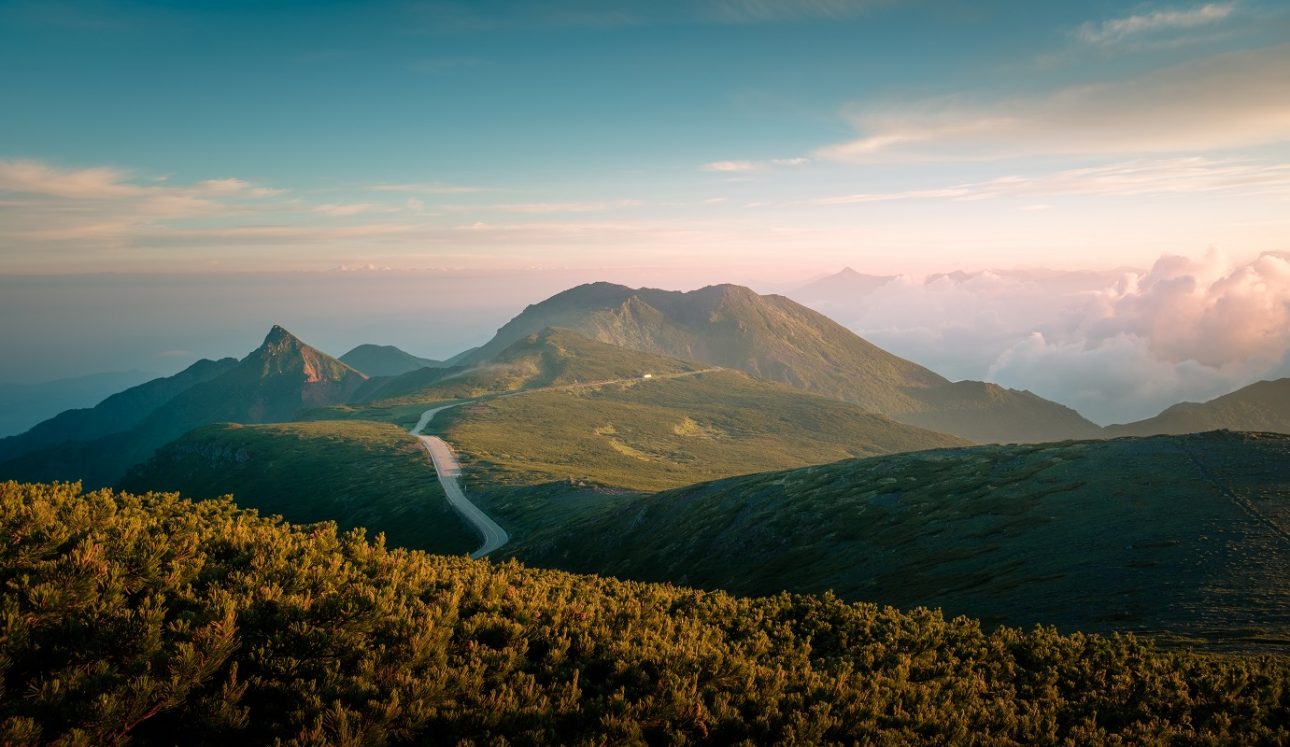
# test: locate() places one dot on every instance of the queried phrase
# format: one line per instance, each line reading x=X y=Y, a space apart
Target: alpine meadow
x=612 y=372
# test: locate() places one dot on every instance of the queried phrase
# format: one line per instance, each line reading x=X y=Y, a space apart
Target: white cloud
x=742 y=166
x=1228 y=101
x=730 y=166
x=1118 y=30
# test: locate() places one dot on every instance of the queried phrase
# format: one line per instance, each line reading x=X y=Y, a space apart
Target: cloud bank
x=1118 y=345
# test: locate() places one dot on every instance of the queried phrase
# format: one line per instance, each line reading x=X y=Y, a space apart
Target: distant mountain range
x=385 y=360
x=273 y=383
x=774 y=338
x=1261 y=406
x=24 y=405
x=602 y=332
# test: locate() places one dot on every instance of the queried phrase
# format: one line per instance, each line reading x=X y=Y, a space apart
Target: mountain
x=1181 y=536
x=119 y=412
x=273 y=383
x=1262 y=406
x=160 y=621
x=24 y=405
x=357 y=474
x=774 y=338
x=549 y=357
x=841 y=289
x=385 y=360
x=592 y=418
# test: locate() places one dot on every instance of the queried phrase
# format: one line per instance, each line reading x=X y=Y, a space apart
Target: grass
x=358 y=474
x=1177 y=536
x=664 y=433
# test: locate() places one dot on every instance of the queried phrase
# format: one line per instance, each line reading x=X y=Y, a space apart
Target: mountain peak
x=278 y=335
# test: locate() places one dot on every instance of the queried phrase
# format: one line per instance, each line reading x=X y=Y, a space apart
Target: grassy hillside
x=666 y=432
x=274 y=383
x=159 y=621
x=1187 y=536
x=384 y=360
x=357 y=474
x=549 y=357
x=774 y=338
x=1262 y=406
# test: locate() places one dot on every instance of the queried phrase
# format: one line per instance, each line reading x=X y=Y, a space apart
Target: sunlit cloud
x=563 y=207
x=735 y=167
x=1117 y=30
x=346 y=209
x=35 y=178
x=1228 y=101
x=1139 y=177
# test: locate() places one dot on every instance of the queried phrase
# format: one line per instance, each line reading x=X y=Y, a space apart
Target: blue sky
x=896 y=136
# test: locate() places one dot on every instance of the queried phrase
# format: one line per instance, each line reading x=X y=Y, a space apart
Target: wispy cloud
x=563 y=207
x=1118 y=30
x=427 y=188
x=1232 y=100
x=734 y=167
x=1138 y=177
x=345 y=209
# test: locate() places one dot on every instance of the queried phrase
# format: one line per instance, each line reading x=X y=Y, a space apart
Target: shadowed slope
x=1185 y=535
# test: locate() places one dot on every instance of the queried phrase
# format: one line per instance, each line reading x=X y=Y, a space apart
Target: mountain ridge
x=775 y=338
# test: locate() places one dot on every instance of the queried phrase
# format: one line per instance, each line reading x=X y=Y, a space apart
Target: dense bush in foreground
x=158 y=620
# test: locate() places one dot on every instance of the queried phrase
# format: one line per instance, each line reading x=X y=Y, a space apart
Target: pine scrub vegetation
x=151 y=619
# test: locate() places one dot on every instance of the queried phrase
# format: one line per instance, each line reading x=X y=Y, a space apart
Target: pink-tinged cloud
x=1231 y=100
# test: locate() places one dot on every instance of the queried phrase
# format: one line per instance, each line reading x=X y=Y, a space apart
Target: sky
x=526 y=145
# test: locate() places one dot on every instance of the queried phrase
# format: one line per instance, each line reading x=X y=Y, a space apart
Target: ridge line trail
x=448 y=468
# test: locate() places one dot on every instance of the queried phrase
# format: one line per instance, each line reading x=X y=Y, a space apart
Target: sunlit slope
x=168 y=622
x=774 y=338
x=665 y=432
x=548 y=357
x=358 y=474
x=1185 y=535
x=1262 y=406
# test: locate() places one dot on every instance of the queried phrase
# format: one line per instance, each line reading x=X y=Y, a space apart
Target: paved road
x=449 y=469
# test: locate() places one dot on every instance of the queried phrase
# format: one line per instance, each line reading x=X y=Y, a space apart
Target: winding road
x=449 y=469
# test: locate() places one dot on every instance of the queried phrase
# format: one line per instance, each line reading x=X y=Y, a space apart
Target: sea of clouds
x=1119 y=345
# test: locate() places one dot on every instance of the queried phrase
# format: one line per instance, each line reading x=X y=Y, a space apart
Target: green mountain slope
x=1182 y=535
x=667 y=432
x=356 y=474
x=117 y=413
x=161 y=621
x=273 y=383
x=549 y=357
x=773 y=338
x=1262 y=406
x=385 y=360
